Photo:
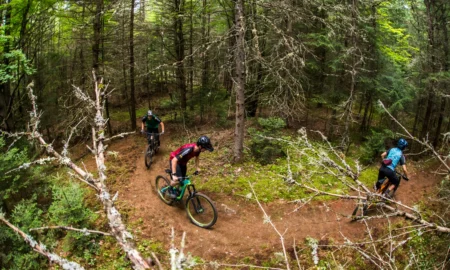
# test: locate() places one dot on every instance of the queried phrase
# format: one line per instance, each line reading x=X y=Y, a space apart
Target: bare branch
x=27 y=165
x=267 y=220
x=121 y=135
x=84 y=231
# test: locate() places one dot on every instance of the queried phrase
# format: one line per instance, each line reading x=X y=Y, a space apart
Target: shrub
x=264 y=149
x=376 y=143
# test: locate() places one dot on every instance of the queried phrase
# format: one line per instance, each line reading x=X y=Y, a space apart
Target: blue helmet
x=402 y=143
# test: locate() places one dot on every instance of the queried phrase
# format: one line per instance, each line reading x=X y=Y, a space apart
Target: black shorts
x=181 y=169
x=390 y=174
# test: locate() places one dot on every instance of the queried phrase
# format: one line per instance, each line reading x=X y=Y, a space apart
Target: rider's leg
x=394 y=182
x=180 y=172
x=382 y=173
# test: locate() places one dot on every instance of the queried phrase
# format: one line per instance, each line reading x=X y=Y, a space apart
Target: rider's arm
x=142 y=124
x=197 y=163
x=383 y=155
x=405 y=171
x=162 y=127
x=174 y=168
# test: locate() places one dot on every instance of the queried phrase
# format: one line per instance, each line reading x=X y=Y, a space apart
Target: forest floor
x=240 y=232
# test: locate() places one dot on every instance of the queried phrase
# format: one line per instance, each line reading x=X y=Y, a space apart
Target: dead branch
x=268 y=220
x=178 y=260
x=121 y=135
x=29 y=164
x=84 y=230
x=118 y=228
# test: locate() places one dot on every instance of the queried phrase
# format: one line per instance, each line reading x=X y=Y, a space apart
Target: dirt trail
x=240 y=231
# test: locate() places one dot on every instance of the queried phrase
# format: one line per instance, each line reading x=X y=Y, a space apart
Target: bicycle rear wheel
x=148 y=157
x=162 y=188
x=201 y=211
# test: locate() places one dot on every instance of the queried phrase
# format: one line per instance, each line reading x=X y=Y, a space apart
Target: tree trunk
x=443 y=22
x=205 y=59
x=191 y=56
x=239 y=81
x=431 y=44
x=179 y=52
x=97 y=24
x=6 y=118
x=132 y=101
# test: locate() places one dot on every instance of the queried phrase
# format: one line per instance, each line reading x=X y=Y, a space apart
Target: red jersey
x=184 y=153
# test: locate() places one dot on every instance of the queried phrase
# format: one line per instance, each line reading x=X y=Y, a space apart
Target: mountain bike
x=199 y=208
x=375 y=199
x=152 y=148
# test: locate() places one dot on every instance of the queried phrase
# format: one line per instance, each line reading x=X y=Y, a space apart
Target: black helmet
x=205 y=142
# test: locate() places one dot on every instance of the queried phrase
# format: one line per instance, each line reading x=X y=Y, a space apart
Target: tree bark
x=431 y=87
x=205 y=59
x=7 y=122
x=443 y=22
x=132 y=101
x=179 y=52
x=97 y=25
x=239 y=81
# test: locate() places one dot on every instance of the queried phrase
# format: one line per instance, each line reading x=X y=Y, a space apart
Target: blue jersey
x=396 y=155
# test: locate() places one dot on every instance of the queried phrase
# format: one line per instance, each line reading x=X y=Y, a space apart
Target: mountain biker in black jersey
x=152 y=122
x=391 y=159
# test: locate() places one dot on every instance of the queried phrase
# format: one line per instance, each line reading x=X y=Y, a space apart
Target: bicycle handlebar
x=402 y=176
x=151 y=133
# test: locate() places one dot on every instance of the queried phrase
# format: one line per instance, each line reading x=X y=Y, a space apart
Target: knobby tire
x=148 y=157
x=161 y=185
x=201 y=211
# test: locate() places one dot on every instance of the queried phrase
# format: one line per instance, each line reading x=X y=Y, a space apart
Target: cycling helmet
x=149 y=113
x=402 y=143
x=205 y=142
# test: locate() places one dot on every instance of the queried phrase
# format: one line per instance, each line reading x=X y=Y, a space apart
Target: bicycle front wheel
x=162 y=188
x=201 y=211
x=148 y=157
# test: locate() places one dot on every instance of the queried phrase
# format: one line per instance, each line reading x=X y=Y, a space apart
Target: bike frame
x=185 y=184
x=375 y=198
x=151 y=137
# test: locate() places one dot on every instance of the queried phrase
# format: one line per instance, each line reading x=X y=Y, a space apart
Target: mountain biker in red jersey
x=391 y=159
x=180 y=157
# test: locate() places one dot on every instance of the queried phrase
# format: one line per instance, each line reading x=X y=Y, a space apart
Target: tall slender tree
x=239 y=80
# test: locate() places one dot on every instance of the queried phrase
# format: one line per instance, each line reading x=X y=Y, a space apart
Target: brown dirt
x=240 y=230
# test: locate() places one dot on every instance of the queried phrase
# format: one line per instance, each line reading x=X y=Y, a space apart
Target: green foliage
x=11 y=183
x=17 y=65
x=272 y=123
x=68 y=207
x=264 y=149
x=375 y=145
x=17 y=253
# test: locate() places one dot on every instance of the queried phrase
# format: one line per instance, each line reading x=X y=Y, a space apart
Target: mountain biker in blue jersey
x=391 y=159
